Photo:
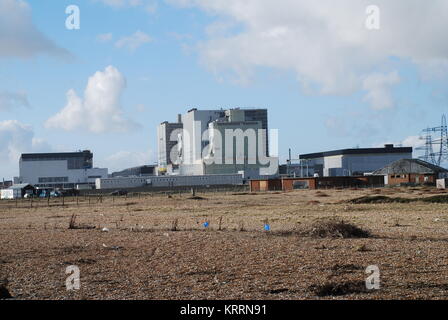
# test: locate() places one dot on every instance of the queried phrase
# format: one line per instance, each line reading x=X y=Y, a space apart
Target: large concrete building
x=167 y=136
x=200 y=133
x=59 y=170
x=351 y=162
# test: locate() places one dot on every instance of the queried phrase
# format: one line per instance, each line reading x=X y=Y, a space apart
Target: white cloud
x=100 y=110
x=104 y=37
x=410 y=141
x=17 y=138
x=325 y=43
x=10 y=100
x=127 y=159
x=413 y=141
x=134 y=41
x=19 y=37
x=378 y=87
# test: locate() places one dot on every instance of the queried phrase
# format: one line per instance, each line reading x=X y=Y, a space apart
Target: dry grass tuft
x=174 y=225
x=337 y=229
x=4 y=292
x=443 y=198
x=196 y=198
x=378 y=199
x=338 y=289
x=73 y=226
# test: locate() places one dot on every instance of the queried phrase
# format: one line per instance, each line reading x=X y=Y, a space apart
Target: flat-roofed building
x=59 y=170
x=352 y=162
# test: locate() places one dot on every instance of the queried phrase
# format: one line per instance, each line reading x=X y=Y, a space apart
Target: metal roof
x=386 y=150
x=53 y=155
x=406 y=166
x=20 y=186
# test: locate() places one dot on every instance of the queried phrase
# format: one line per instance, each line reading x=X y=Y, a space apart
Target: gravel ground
x=141 y=257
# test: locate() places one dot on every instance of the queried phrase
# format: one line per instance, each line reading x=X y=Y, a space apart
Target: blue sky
x=328 y=82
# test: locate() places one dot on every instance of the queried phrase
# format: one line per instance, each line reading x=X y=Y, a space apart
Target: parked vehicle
x=55 y=194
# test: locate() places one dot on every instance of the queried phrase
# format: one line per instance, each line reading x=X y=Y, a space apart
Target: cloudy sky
x=328 y=81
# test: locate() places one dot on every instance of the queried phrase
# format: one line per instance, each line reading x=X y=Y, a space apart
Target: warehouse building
x=352 y=162
x=411 y=171
x=169 y=181
x=59 y=170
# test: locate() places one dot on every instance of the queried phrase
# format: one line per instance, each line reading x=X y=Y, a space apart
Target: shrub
x=338 y=229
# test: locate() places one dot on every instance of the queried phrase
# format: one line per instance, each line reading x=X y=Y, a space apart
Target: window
x=53 y=179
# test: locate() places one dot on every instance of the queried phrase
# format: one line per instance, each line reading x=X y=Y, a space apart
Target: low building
x=62 y=170
x=169 y=181
x=288 y=184
x=17 y=191
x=353 y=162
x=411 y=171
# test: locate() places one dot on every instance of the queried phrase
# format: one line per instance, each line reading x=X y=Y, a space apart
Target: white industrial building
x=169 y=181
x=351 y=162
x=59 y=170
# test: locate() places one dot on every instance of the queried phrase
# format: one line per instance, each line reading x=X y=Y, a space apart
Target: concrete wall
x=169 y=181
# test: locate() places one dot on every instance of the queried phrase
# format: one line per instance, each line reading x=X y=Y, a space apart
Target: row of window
x=53 y=179
x=398 y=176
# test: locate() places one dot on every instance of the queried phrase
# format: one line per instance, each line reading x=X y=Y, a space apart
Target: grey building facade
x=350 y=162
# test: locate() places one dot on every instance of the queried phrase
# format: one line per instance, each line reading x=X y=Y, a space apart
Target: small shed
x=411 y=171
